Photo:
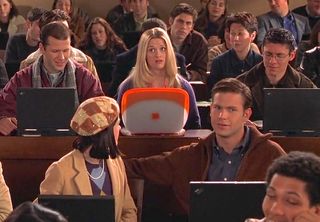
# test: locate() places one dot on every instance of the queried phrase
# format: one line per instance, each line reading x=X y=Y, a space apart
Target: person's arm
x=11 y=51
x=215 y=73
x=52 y=183
x=262 y=30
x=5 y=198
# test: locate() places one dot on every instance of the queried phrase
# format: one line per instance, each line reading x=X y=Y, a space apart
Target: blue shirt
x=224 y=166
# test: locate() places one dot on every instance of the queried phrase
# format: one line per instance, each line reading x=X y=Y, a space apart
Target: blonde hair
x=141 y=74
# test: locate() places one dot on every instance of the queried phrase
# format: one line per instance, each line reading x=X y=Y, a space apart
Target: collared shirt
x=289 y=23
x=54 y=78
x=224 y=166
x=140 y=22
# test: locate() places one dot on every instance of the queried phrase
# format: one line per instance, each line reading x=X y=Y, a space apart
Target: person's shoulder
x=197 y=36
x=265 y=16
x=252 y=76
x=300 y=10
x=67 y=158
x=18 y=19
x=300 y=17
x=18 y=37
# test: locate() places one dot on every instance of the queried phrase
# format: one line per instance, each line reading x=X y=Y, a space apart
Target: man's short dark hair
x=184 y=8
x=234 y=86
x=57 y=30
x=302 y=166
x=53 y=16
x=280 y=36
x=35 y=14
x=151 y=23
x=246 y=19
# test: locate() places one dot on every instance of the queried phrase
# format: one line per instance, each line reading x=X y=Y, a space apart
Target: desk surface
x=25 y=159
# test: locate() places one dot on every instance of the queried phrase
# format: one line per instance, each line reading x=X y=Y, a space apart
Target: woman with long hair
x=10 y=20
x=100 y=42
x=156 y=67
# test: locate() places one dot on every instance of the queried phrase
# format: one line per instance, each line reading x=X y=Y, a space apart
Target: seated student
x=3 y=75
x=233 y=152
x=306 y=45
x=5 y=198
x=100 y=42
x=310 y=65
x=311 y=10
x=125 y=61
x=211 y=20
x=75 y=54
x=156 y=67
x=53 y=68
x=293 y=189
x=278 y=49
x=79 y=19
x=10 y=20
x=243 y=29
x=33 y=212
x=280 y=16
x=95 y=166
x=118 y=11
x=20 y=45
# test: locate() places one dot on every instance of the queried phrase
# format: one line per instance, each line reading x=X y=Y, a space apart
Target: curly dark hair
x=280 y=36
x=302 y=166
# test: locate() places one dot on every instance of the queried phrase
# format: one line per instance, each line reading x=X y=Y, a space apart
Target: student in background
x=20 y=45
x=10 y=20
x=188 y=42
x=156 y=67
x=232 y=152
x=293 y=189
x=3 y=75
x=243 y=28
x=278 y=49
x=95 y=166
x=79 y=20
x=311 y=10
x=210 y=22
x=5 y=198
x=33 y=212
x=53 y=68
x=100 y=42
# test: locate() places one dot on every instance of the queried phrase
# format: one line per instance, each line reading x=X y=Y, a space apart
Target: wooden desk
x=26 y=159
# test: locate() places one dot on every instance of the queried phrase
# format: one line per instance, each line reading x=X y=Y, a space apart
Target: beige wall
x=100 y=7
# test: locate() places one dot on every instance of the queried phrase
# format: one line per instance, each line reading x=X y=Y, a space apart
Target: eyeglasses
x=278 y=56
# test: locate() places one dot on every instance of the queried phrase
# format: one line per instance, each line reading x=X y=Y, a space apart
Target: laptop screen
x=292 y=112
x=226 y=201
x=45 y=111
x=81 y=208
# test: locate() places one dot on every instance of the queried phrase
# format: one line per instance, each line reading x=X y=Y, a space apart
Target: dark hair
x=246 y=19
x=56 y=30
x=53 y=16
x=33 y=212
x=113 y=40
x=234 y=86
x=55 y=2
x=35 y=13
x=280 y=36
x=184 y=8
x=13 y=11
x=302 y=166
x=314 y=34
x=151 y=23
x=103 y=144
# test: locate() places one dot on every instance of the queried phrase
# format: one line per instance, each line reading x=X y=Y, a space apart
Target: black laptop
x=45 y=111
x=81 y=208
x=226 y=201
x=292 y=111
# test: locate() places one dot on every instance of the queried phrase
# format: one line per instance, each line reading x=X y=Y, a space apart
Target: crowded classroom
x=123 y=107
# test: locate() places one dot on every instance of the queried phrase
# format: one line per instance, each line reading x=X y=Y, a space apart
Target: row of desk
x=25 y=159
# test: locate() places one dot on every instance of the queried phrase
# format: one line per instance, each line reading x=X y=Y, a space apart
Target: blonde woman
x=156 y=67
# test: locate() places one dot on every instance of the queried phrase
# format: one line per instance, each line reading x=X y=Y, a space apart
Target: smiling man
x=293 y=189
x=53 y=68
x=278 y=49
x=233 y=152
x=242 y=28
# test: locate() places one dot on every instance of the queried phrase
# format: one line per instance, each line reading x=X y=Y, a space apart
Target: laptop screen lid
x=45 y=111
x=81 y=208
x=155 y=110
x=226 y=201
x=292 y=111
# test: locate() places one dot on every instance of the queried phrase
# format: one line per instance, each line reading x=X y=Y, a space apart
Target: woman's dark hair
x=314 y=34
x=103 y=144
x=113 y=40
x=33 y=212
x=13 y=11
x=55 y=2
